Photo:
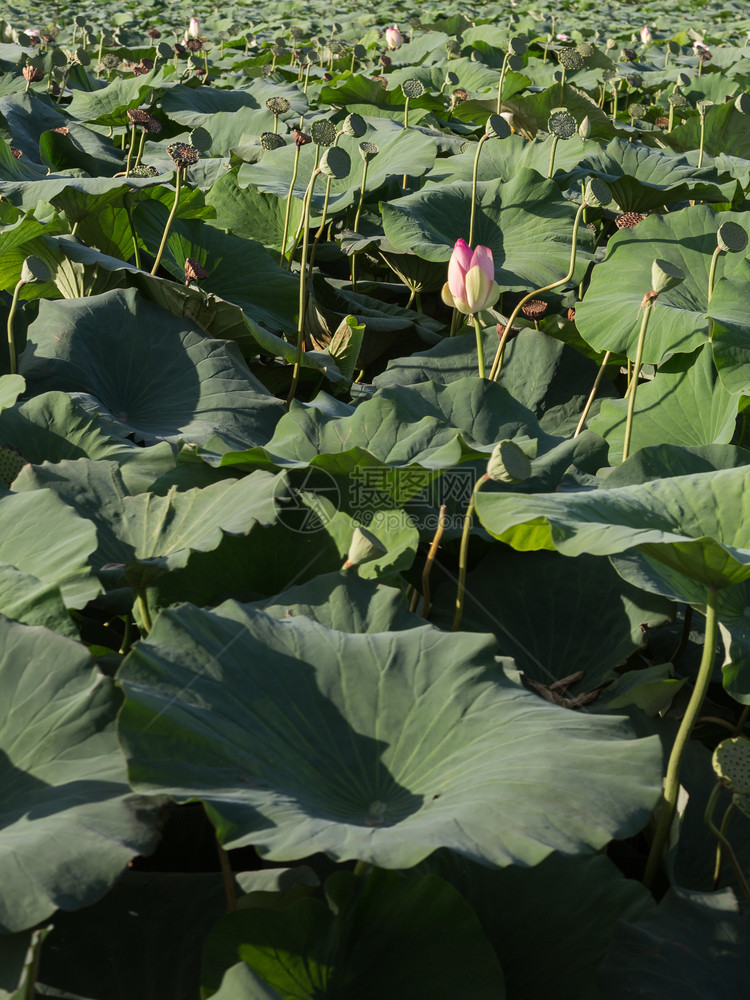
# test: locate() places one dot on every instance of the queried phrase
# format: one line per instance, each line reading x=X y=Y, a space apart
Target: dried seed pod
x=300 y=138
x=534 y=309
x=662 y=122
x=278 y=105
x=514 y=331
x=153 y=33
x=570 y=59
x=459 y=95
x=15 y=152
x=368 y=151
x=630 y=54
x=271 y=140
x=194 y=271
x=193 y=44
x=144 y=120
x=323 y=132
x=32 y=73
x=628 y=220
x=183 y=154
x=61 y=130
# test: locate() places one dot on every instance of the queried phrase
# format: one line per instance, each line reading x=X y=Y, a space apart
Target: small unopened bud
x=508 y=463
x=665 y=276
x=363 y=547
x=34 y=270
x=584 y=129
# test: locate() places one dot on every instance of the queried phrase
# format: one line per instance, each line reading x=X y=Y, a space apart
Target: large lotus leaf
x=252 y=214
x=147 y=535
x=19 y=241
x=472 y=76
x=108 y=105
x=696 y=525
x=401 y=152
x=69 y=824
x=571 y=598
x=731 y=329
x=727 y=131
x=542 y=373
x=80 y=149
x=526 y=223
x=117 y=352
x=550 y=925
x=684 y=404
x=27 y=599
x=145 y=937
x=380 y=747
x=642 y=179
x=42 y=537
x=239 y=270
x=405 y=938
x=696 y=944
x=195 y=106
x=609 y=316
x=26 y=194
x=13 y=169
x=663 y=461
x=503 y=159
x=531 y=112
x=352 y=91
x=28 y=116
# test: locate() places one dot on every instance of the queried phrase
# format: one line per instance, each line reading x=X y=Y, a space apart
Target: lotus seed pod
x=515 y=63
x=183 y=154
x=635 y=80
x=164 y=51
x=742 y=104
x=412 y=89
x=629 y=220
x=677 y=100
x=363 y=547
x=278 y=105
x=508 y=463
x=597 y=194
x=673 y=48
x=562 y=124
x=359 y=51
x=703 y=106
x=731 y=762
x=79 y=20
x=683 y=80
x=271 y=140
x=368 y=151
x=584 y=129
x=82 y=57
x=34 y=270
x=585 y=50
x=636 y=110
x=731 y=237
x=611 y=44
x=323 y=132
x=451 y=79
x=608 y=75
x=517 y=45
x=497 y=127
x=534 y=309
x=11 y=463
x=570 y=59
x=335 y=162
x=628 y=54
x=142 y=170
x=194 y=271
x=453 y=47
x=664 y=276
x=201 y=138
x=354 y=125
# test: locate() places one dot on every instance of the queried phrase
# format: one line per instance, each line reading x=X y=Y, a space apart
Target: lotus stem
x=614 y=104
x=702 y=139
x=406 y=125
x=226 y=876
x=140 y=149
x=356 y=223
x=136 y=248
x=463 y=554
x=302 y=286
x=712 y=272
x=480 y=346
x=555 y=140
x=288 y=210
x=562 y=84
x=170 y=220
x=142 y=604
x=298 y=234
x=321 y=227
x=474 y=189
x=671 y=117
x=592 y=394
x=720 y=835
x=500 y=84
x=430 y=562
x=101 y=48
x=647 y=306
x=497 y=364
x=307 y=77
x=672 y=780
x=130 y=149
x=11 y=338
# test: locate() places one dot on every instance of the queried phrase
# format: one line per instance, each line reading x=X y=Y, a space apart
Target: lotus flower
x=194 y=28
x=471 y=279
x=646 y=35
x=393 y=37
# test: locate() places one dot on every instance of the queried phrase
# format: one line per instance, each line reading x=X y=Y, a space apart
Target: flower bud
x=363 y=547
x=665 y=276
x=508 y=463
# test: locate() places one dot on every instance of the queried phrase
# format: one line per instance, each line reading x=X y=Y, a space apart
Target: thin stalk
x=140 y=148
x=723 y=842
x=555 y=140
x=497 y=364
x=126 y=640
x=130 y=149
x=463 y=555
x=712 y=272
x=723 y=830
x=287 y=213
x=634 y=381
x=302 y=288
x=356 y=222
x=592 y=394
x=140 y=600
x=136 y=248
x=480 y=345
x=501 y=81
x=101 y=48
x=454 y=322
x=672 y=780
x=474 y=189
x=226 y=876
x=307 y=77
x=614 y=104
x=11 y=339
x=430 y=562
x=671 y=118
x=321 y=227
x=305 y=197
x=170 y=220
x=700 y=144
x=406 y=125
x=562 y=84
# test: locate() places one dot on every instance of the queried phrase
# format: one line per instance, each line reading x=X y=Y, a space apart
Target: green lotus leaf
x=608 y=317
x=695 y=525
x=394 y=937
x=505 y=159
x=668 y=460
x=119 y=353
x=684 y=404
x=28 y=117
x=731 y=329
x=727 y=130
x=674 y=950
x=428 y=748
x=80 y=149
x=252 y=214
x=197 y=106
x=63 y=781
x=108 y=105
x=526 y=223
x=27 y=599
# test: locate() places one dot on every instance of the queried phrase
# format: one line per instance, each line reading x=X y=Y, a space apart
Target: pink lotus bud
x=646 y=35
x=471 y=279
x=393 y=37
x=194 y=28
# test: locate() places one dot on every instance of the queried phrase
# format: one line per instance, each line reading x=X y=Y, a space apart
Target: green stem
x=142 y=603
x=497 y=364
x=480 y=345
x=474 y=189
x=305 y=197
x=672 y=781
x=356 y=223
x=555 y=140
x=287 y=213
x=430 y=561
x=463 y=555
x=562 y=85
x=614 y=104
x=302 y=287
x=592 y=394
x=140 y=148
x=321 y=227
x=11 y=315
x=136 y=248
x=712 y=272
x=226 y=876
x=634 y=381
x=723 y=842
x=101 y=49
x=406 y=125
x=700 y=144
x=168 y=226
x=500 y=83
x=130 y=149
